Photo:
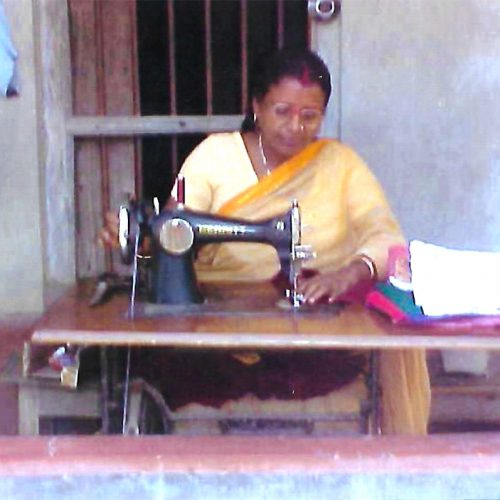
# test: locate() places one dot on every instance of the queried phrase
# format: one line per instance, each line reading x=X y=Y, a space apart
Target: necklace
x=263 y=156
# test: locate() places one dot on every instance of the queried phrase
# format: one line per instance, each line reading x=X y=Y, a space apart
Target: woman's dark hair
x=302 y=64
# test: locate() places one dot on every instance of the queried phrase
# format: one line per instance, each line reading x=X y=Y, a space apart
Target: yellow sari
x=343 y=208
x=344 y=213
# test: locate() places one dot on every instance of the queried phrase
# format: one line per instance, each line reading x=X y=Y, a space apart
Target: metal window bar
x=244 y=54
x=138 y=180
x=101 y=110
x=173 y=82
x=281 y=22
x=208 y=57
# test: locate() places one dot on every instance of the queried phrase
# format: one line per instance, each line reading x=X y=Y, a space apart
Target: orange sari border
x=277 y=178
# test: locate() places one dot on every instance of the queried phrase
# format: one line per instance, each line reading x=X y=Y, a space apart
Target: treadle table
x=235 y=316
x=241 y=316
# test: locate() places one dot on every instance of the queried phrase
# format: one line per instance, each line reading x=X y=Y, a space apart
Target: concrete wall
x=420 y=100
x=56 y=160
x=21 y=262
x=36 y=191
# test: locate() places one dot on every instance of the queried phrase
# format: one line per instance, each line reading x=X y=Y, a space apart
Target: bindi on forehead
x=293 y=90
x=294 y=83
x=305 y=78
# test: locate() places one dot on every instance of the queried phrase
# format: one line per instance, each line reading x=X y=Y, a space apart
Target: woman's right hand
x=332 y=285
x=108 y=235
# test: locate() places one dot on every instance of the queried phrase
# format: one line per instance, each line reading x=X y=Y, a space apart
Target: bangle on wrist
x=371 y=266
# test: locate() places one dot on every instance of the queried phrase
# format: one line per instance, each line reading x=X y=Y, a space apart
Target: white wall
x=420 y=100
x=21 y=268
x=37 y=187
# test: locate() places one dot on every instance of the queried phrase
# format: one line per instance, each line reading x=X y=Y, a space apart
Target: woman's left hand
x=332 y=285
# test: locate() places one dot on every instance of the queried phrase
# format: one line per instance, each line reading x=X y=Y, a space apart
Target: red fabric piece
x=213 y=377
x=380 y=302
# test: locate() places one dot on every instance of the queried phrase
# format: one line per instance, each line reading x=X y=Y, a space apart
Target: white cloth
x=448 y=281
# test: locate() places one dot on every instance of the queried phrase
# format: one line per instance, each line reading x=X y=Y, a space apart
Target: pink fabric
x=380 y=302
x=468 y=325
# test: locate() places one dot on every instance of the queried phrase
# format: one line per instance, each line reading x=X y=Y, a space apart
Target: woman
x=255 y=174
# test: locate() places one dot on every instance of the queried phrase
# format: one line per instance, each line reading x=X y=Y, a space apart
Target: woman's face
x=289 y=116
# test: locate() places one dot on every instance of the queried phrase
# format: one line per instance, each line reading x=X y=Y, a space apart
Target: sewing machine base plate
x=215 y=308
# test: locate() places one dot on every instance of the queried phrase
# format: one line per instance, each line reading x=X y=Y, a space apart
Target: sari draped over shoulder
x=344 y=212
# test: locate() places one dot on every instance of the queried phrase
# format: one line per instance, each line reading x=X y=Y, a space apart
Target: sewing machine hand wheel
x=133 y=222
x=125 y=235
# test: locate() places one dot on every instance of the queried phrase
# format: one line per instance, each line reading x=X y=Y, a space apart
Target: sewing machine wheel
x=127 y=229
x=147 y=411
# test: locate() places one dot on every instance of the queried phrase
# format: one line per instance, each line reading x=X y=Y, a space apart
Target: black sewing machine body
x=176 y=234
x=179 y=232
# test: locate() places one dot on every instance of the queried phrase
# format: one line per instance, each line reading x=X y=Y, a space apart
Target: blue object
x=8 y=56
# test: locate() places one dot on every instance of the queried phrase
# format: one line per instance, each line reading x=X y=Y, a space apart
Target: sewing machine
x=175 y=234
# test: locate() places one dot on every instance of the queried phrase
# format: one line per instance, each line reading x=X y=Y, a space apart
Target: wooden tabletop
x=241 y=316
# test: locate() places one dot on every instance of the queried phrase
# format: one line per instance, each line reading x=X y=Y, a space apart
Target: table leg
x=105 y=389
x=375 y=393
x=28 y=410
